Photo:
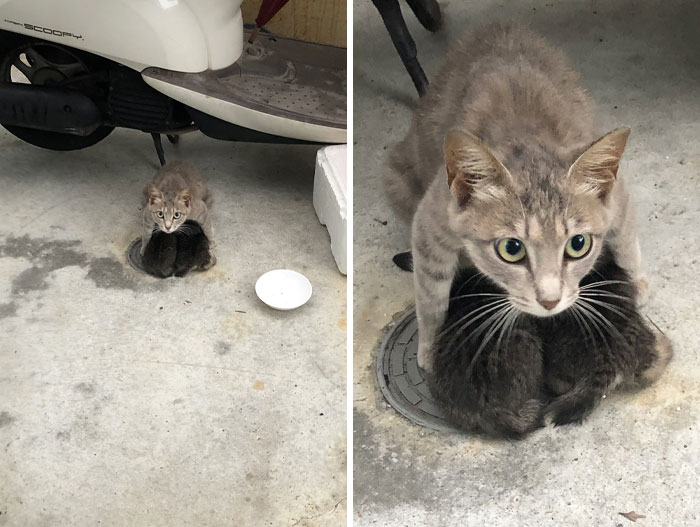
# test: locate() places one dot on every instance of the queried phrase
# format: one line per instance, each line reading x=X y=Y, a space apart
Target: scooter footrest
x=282 y=77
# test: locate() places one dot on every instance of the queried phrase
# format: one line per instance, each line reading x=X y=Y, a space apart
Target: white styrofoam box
x=330 y=198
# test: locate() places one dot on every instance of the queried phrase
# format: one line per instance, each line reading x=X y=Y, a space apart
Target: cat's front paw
x=425 y=359
x=641 y=284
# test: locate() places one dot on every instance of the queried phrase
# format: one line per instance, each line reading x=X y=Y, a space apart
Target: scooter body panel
x=248 y=117
x=290 y=88
x=180 y=35
x=279 y=86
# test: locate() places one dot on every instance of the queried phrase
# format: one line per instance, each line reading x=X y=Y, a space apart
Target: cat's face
x=168 y=212
x=538 y=231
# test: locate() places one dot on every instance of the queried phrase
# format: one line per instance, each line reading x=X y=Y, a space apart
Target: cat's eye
x=177 y=215
x=511 y=250
x=159 y=213
x=578 y=246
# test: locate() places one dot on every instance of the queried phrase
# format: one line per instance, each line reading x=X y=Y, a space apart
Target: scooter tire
x=43 y=138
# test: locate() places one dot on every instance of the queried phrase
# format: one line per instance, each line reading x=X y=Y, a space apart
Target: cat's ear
x=153 y=194
x=595 y=171
x=185 y=196
x=472 y=170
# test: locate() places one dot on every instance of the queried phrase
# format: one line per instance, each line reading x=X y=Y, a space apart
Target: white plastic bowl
x=283 y=289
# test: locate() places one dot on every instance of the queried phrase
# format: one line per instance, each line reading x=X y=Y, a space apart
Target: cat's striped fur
x=502 y=146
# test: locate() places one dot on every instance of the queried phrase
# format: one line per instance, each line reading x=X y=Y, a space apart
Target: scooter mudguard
x=179 y=35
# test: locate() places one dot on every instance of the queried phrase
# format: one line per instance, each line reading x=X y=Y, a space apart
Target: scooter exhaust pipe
x=47 y=108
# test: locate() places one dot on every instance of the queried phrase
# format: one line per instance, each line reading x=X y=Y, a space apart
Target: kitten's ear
x=153 y=194
x=595 y=171
x=185 y=196
x=472 y=170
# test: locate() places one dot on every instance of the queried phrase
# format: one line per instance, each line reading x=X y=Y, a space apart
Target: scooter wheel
x=46 y=64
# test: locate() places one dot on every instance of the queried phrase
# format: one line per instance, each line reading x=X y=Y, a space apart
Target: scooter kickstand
x=159 y=148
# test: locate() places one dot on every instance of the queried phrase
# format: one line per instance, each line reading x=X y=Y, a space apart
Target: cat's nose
x=549 y=304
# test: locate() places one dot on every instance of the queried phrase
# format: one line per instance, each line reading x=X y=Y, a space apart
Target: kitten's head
x=168 y=212
x=537 y=229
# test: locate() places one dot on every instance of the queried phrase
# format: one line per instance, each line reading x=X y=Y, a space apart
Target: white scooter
x=73 y=70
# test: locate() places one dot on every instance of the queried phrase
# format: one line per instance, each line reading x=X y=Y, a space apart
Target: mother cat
x=176 y=194
x=528 y=197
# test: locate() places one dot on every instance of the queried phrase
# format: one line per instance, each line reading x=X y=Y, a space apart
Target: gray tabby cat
x=177 y=193
x=500 y=170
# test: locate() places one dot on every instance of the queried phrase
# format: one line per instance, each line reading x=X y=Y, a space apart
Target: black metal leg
x=159 y=148
x=403 y=42
x=427 y=12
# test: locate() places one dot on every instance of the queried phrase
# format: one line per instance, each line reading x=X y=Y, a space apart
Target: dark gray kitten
x=502 y=375
x=177 y=253
x=601 y=343
x=490 y=386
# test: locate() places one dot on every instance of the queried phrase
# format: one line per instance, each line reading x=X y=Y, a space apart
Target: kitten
x=192 y=250
x=502 y=378
x=177 y=193
x=529 y=197
x=179 y=252
x=158 y=259
x=599 y=344
x=492 y=389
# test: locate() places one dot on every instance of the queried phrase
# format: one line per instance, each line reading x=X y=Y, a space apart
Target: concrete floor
x=131 y=401
x=639 y=61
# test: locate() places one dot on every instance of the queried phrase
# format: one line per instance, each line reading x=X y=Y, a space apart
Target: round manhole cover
x=133 y=256
x=400 y=378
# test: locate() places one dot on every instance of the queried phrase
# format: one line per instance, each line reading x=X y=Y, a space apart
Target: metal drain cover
x=133 y=256
x=401 y=380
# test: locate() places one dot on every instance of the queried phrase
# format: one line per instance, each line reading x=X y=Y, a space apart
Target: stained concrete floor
x=127 y=400
x=641 y=64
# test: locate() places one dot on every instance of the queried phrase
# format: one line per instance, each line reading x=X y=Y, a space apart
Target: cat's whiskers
x=497 y=326
x=604 y=322
x=485 y=306
x=496 y=306
x=498 y=295
x=478 y=275
x=187 y=230
x=479 y=279
x=496 y=321
x=507 y=328
x=484 y=326
x=598 y=272
x=615 y=309
x=520 y=303
x=586 y=317
x=602 y=282
x=472 y=317
x=514 y=325
x=603 y=293
x=581 y=323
